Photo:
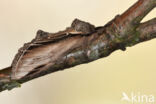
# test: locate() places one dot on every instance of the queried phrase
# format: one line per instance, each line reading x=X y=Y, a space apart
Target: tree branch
x=81 y=43
x=147 y=30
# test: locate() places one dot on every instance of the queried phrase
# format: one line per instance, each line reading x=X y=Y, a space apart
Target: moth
x=25 y=60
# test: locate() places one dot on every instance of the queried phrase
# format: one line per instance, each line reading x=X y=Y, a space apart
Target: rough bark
x=81 y=43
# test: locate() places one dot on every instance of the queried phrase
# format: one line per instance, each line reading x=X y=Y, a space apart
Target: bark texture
x=80 y=43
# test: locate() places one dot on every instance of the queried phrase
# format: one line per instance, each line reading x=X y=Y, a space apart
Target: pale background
x=99 y=82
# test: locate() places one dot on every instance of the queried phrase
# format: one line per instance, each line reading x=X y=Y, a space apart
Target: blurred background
x=99 y=82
